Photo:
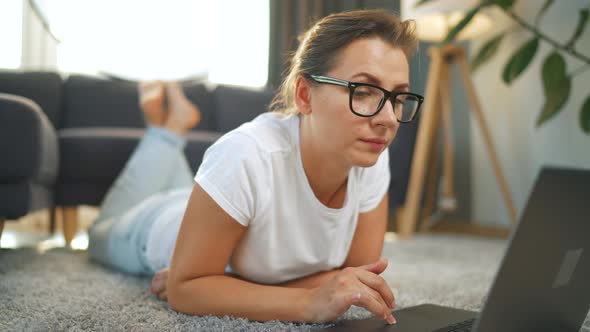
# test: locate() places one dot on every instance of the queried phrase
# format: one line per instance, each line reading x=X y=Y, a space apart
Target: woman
x=286 y=215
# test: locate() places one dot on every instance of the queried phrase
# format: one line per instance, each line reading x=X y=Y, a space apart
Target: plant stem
x=544 y=37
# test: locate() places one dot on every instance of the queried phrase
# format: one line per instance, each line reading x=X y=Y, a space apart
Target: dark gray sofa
x=29 y=164
x=63 y=141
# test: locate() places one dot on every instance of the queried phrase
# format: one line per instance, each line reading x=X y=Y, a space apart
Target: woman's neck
x=326 y=176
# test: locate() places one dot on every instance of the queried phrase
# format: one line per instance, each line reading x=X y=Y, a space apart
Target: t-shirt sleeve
x=232 y=173
x=375 y=183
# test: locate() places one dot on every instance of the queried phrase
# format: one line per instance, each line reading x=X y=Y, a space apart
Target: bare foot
x=182 y=114
x=158 y=285
x=152 y=96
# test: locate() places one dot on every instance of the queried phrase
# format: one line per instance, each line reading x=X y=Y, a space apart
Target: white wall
x=512 y=111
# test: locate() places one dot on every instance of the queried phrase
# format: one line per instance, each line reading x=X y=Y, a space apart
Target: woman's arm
x=196 y=282
x=311 y=281
x=367 y=243
x=197 y=285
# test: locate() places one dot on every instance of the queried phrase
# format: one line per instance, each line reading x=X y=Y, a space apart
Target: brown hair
x=319 y=45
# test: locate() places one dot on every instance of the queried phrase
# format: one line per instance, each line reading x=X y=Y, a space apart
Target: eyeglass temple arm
x=330 y=80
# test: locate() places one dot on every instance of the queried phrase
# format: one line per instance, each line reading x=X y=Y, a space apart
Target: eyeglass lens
x=367 y=100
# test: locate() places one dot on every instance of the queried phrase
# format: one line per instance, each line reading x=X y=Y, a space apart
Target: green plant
x=557 y=81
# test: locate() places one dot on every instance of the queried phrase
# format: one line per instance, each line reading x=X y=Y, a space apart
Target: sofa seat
x=91 y=159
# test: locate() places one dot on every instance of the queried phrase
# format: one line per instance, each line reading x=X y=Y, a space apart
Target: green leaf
x=543 y=10
x=556 y=85
x=553 y=72
x=585 y=116
x=520 y=60
x=486 y=52
x=462 y=24
x=504 y=4
x=555 y=101
x=582 y=20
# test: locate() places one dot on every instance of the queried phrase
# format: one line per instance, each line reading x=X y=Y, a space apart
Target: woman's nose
x=386 y=117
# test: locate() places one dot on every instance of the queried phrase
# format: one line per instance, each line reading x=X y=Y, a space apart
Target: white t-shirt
x=255 y=174
x=168 y=209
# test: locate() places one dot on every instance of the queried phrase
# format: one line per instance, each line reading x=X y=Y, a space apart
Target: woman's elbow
x=185 y=297
x=177 y=297
x=173 y=295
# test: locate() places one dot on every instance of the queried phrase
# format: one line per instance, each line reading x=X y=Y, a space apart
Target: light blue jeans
x=119 y=235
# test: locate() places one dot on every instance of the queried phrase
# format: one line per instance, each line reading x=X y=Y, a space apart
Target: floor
x=32 y=230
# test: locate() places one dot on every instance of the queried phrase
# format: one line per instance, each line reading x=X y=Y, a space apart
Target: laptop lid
x=543 y=283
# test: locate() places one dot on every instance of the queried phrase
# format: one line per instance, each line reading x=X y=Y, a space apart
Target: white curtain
x=11 y=15
x=38 y=44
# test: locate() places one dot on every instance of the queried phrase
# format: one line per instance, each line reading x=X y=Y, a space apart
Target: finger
x=368 y=302
x=163 y=295
x=156 y=287
x=378 y=284
x=163 y=274
x=380 y=267
x=345 y=301
x=377 y=297
x=158 y=283
x=376 y=267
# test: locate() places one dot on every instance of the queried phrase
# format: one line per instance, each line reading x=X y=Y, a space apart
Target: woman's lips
x=375 y=144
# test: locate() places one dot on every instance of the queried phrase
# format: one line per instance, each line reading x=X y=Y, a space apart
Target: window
x=226 y=41
x=11 y=32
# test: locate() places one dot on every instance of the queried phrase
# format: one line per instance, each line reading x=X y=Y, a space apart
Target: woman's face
x=354 y=140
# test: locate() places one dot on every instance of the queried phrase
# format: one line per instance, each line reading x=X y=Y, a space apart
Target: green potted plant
x=557 y=81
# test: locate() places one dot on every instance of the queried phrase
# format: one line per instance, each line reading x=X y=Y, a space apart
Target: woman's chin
x=366 y=159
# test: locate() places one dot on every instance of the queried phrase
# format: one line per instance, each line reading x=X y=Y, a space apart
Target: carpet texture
x=61 y=290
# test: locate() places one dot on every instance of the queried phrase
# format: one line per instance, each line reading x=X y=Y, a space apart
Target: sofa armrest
x=28 y=142
x=235 y=105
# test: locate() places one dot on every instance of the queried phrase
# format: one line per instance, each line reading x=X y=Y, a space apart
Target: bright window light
x=241 y=43
x=226 y=41
x=11 y=32
x=8 y=240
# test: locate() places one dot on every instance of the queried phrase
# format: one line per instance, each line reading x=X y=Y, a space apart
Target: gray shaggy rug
x=60 y=290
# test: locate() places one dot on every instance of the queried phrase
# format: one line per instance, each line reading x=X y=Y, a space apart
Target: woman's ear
x=303 y=95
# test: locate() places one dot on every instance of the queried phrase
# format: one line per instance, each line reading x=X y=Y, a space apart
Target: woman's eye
x=361 y=93
x=366 y=91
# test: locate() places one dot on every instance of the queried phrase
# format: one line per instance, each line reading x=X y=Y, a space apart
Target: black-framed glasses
x=366 y=100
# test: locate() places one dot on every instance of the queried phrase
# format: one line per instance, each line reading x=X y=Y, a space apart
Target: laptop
x=543 y=283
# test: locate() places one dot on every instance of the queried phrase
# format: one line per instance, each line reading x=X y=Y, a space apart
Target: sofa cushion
x=236 y=105
x=101 y=102
x=92 y=158
x=197 y=144
x=95 y=102
x=74 y=194
x=197 y=90
x=44 y=88
x=97 y=155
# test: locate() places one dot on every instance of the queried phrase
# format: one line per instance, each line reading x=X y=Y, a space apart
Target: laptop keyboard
x=464 y=326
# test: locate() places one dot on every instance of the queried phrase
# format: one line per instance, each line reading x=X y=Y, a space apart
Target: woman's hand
x=361 y=286
x=158 y=285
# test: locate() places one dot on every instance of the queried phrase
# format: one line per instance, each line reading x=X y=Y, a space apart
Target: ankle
x=178 y=130
x=174 y=139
